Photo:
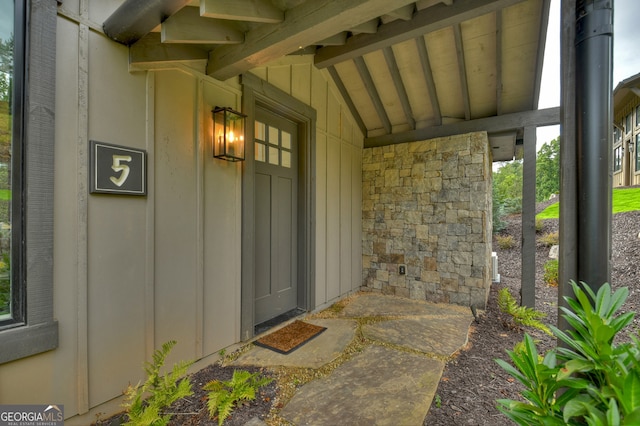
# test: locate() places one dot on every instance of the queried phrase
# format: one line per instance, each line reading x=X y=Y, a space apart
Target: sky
x=6 y=21
x=626 y=59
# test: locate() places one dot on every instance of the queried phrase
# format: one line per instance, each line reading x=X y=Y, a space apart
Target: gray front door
x=276 y=215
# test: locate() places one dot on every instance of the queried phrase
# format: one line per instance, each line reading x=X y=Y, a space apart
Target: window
x=637 y=116
x=272 y=145
x=617 y=159
x=11 y=300
x=627 y=127
x=637 y=152
x=26 y=167
x=617 y=134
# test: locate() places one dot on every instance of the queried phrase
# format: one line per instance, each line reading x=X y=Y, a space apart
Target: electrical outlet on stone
x=402 y=269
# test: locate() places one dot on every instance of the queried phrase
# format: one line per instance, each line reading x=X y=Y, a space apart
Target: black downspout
x=594 y=118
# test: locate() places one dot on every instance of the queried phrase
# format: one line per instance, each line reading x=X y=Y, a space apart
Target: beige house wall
x=131 y=273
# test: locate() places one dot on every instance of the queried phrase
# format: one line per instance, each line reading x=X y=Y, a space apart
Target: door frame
x=257 y=92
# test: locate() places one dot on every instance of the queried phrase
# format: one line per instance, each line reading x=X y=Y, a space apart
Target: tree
x=6 y=68
x=507 y=184
x=548 y=170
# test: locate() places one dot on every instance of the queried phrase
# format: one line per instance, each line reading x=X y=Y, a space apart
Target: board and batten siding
x=131 y=273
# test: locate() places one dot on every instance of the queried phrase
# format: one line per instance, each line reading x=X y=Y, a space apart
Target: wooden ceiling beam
x=423 y=53
x=303 y=25
x=242 y=10
x=426 y=21
x=400 y=89
x=517 y=120
x=186 y=26
x=345 y=95
x=373 y=93
x=462 y=71
x=404 y=13
x=369 y=27
x=149 y=51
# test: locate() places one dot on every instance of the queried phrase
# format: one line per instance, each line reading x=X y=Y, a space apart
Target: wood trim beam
x=369 y=27
x=303 y=25
x=150 y=50
x=528 y=260
x=421 y=45
x=242 y=10
x=399 y=85
x=462 y=71
x=404 y=13
x=345 y=95
x=518 y=120
x=426 y=21
x=373 y=93
x=498 y=62
x=335 y=40
x=186 y=26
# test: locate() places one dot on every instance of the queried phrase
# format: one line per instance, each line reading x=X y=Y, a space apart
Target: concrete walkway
x=391 y=381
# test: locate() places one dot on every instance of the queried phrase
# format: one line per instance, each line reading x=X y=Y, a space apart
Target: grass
x=5 y=194
x=624 y=200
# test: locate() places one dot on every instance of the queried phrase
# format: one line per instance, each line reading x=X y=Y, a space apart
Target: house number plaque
x=117 y=169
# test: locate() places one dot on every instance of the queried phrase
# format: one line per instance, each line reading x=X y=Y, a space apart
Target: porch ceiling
x=405 y=68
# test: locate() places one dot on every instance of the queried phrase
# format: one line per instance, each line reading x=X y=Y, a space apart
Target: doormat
x=290 y=337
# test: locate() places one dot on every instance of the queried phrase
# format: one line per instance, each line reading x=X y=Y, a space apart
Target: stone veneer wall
x=427 y=205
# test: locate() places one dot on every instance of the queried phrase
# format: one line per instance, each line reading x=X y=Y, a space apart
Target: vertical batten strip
x=83 y=207
x=150 y=267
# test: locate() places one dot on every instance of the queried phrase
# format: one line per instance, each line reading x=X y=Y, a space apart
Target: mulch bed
x=472 y=382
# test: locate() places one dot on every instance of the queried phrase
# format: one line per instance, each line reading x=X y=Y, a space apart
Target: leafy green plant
x=550 y=275
x=163 y=390
x=521 y=315
x=505 y=242
x=223 y=396
x=438 y=401
x=550 y=239
x=600 y=381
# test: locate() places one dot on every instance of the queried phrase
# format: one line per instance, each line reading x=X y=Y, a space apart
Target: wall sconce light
x=228 y=134
x=631 y=145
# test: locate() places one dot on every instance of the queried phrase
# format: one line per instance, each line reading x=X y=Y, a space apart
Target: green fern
x=163 y=390
x=223 y=396
x=522 y=315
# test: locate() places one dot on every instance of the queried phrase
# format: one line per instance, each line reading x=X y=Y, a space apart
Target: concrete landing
x=392 y=381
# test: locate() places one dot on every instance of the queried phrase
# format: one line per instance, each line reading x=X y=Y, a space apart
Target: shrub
x=163 y=391
x=600 y=381
x=550 y=239
x=505 y=242
x=539 y=224
x=522 y=315
x=551 y=272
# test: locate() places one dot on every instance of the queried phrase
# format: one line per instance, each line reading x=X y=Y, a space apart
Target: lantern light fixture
x=228 y=134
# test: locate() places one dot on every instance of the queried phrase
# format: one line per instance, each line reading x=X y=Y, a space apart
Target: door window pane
x=273 y=156
x=286 y=140
x=261 y=152
x=273 y=135
x=260 y=131
x=6 y=136
x=286 y=159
